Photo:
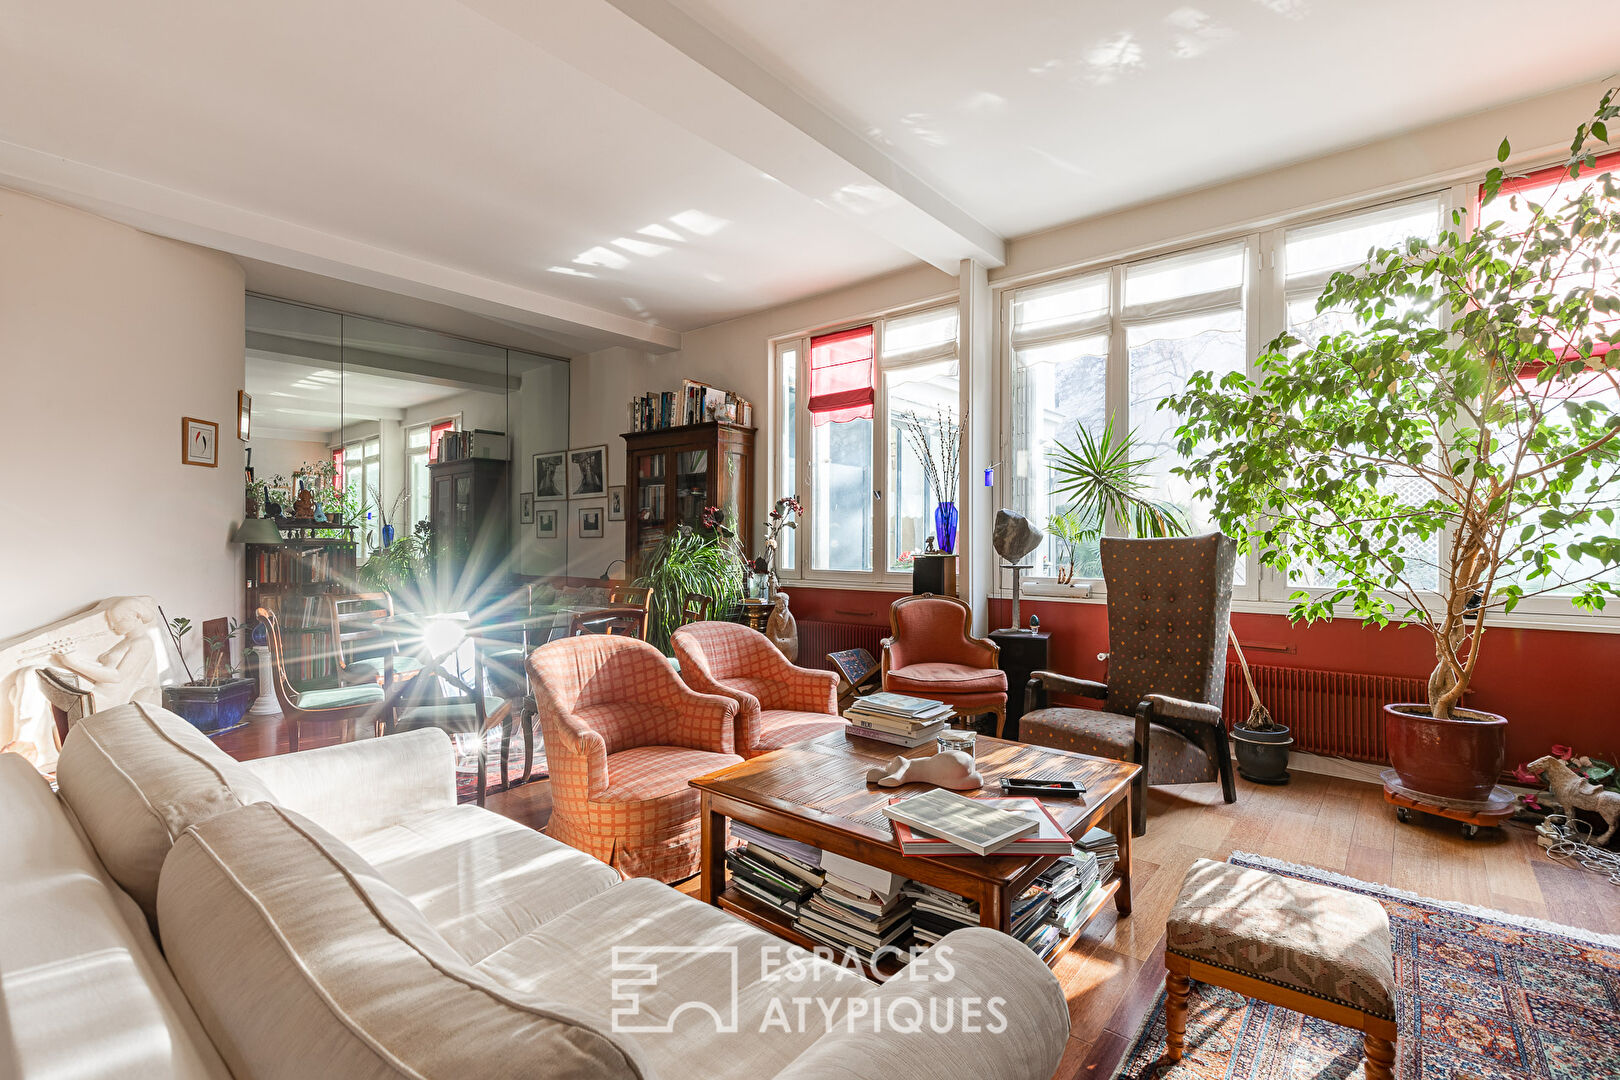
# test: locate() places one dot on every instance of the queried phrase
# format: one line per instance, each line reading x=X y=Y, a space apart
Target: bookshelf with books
x=292 y=579
x=672 y=474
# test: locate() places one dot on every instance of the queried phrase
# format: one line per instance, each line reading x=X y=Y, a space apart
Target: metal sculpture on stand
x=1014 y=537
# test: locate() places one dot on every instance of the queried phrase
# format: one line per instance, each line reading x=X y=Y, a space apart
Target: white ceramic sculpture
x=947 y=769
x=783 y=629
x=112 y=648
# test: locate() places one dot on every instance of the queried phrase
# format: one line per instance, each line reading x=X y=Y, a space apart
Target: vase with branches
x=936 y=440
x=1470 y=405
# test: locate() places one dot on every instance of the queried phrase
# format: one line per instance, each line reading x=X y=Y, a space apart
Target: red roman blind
x=841 y=376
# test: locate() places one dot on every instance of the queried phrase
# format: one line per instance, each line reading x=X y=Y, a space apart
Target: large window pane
x=1345 y=242
x=1162 y=357
x=1054 y=388
x=787 y=480
x=921 y=399
x=841 y=506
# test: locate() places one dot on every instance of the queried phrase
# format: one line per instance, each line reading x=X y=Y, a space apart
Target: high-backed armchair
x=932 y=655
x=778 y=704
x=623 y=735
x=1168 y=603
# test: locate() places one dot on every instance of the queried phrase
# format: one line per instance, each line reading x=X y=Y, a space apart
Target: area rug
x=1481 y=995
x=467 y=766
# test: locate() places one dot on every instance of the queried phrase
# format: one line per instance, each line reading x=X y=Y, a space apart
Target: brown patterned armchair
x=1168 y=603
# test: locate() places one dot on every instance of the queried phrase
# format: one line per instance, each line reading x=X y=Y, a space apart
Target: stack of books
x=935 y=912
x=857 y=908
x=1103 y=844
x=897 y=719
x=970 y=826
x=780 y=873
x=1029 y=922
x=1073 y=881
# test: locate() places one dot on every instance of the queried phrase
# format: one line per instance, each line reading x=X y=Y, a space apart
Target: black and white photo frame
x=615 y=507
x=545 y=523
x=587 y=472
x=551 y=476
x=590 y=522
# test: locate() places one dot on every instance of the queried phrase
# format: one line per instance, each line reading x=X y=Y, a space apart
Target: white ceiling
x=593 y=172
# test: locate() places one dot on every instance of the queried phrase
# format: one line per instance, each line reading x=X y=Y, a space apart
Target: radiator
x=1329 y=712
x=817 y=639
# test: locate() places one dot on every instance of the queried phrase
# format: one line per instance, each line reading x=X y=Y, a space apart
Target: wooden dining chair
x=362 y=652
x=617 y=621
x=633 y=596
x=349 y=706
x=697 y=608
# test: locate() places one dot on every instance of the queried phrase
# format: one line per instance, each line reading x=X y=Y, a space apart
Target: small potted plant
x=1260 y=743
x=217 y=702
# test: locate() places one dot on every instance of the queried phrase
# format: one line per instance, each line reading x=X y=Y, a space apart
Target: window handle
x=877 y=496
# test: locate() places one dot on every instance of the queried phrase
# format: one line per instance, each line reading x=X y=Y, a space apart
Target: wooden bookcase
x=292 y=579
x=672 y=473
x=471 y=512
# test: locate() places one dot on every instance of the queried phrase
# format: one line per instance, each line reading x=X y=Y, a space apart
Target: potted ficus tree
x=1470 y=407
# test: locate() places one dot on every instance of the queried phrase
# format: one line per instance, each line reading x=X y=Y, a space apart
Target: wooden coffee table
x=816 y=792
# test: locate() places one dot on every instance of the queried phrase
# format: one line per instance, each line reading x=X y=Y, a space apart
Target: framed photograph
x=550 y=476
x=526 y=508
x=545 y=524
x=587 y=472
x=199 y=442
x=616 y=502
x=244 y=414
x=590 y=522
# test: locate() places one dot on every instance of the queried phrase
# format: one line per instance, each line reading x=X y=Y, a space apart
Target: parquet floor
x=1115 y=971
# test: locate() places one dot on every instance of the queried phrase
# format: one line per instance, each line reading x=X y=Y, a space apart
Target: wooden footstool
x=1316 y=950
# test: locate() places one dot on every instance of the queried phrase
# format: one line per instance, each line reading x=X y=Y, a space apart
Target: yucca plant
x=688 y=561
x=1100 y=477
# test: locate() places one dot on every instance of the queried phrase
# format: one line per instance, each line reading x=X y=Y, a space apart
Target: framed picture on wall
x=199 y=442
x=545 y=524
x=244 y=415
x=550 y=476
x=587 y=472
x=590 y=522
x=526 y=508
x=616 y=502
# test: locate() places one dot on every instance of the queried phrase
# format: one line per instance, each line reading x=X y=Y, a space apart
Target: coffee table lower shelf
x=774 y=922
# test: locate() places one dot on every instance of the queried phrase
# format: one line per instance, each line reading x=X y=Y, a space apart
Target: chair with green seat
x=362 y=652
x=349 y=706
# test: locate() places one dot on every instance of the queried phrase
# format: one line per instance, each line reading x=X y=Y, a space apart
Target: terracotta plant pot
x=1460 y=758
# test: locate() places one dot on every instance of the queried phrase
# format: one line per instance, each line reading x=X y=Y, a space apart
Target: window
x=421 y=450
x=1113 y=344
x=848 y=446
x=359 y=476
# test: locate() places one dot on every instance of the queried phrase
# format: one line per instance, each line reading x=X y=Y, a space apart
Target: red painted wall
x=1553 y=686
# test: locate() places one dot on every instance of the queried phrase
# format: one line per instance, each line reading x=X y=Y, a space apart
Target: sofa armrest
x=1007 y=1019
x=356 y=788
x=1176 y=708
x=1051 y=682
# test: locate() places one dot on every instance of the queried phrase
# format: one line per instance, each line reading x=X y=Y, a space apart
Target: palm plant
x=1100 y=477
x=688 y=561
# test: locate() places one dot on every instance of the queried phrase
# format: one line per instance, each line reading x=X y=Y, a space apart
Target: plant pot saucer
x=1271 y=781
x=1501 y=802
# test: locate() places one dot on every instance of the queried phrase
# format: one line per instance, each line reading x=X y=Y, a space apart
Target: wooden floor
x=1116 y=970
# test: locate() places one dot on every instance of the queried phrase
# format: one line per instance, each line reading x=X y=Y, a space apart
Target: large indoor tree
x=1467 y=406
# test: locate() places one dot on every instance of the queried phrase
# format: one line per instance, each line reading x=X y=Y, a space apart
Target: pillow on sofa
x=138 y=776
x=345 y=976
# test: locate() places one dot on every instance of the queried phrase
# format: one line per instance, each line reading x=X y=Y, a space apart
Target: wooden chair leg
x=483 y=767
x=1001 y=719
x=1176 y=989
x=1223 y=764
x=292 y=733
x=1139 y=804
x=527 y=719
x=1380 y=1058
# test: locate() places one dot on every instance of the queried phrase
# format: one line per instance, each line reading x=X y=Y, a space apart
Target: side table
x=1022 y=652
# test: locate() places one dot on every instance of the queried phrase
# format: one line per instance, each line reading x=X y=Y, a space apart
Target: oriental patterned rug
x=1482 y=995
x=467 y=765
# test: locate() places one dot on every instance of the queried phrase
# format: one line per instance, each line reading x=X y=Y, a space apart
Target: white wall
x=283 y=457
x=108 y=336
x=735 y=354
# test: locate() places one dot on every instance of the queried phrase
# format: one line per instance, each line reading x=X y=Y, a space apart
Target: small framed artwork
x=587 y=472
x=545 y=524
x=616 y=502
x=244 y=415
x=199 y=442
x=590 y=523
x=550 y=476
x=526 y=508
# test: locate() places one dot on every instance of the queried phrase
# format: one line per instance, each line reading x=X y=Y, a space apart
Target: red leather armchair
x=778 y=704
x=931 y=655
x=623 y=735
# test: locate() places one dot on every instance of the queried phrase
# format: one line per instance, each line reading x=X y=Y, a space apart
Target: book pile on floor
x=897 y=719
x=935 y=912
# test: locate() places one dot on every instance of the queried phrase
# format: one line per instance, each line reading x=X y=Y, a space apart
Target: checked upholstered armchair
x=778 y=704
x=623 y=735
x=1168 y=603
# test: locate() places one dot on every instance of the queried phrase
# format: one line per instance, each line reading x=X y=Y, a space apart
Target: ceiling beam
x=195 y=219
x=681 y=70
x=354 y=359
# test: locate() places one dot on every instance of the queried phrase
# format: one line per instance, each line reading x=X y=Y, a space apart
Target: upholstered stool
x=1316 y=950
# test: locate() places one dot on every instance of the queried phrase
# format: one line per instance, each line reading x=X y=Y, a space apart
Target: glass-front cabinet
x=674 y=473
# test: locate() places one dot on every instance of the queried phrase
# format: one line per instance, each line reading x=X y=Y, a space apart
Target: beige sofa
x=334 y=913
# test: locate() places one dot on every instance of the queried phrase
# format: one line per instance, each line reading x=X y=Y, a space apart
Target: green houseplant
x=218 y=701
x=690 y=560
x=1464 y=405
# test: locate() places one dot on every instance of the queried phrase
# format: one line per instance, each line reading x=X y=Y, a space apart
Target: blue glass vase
x=945 y=527
x=388 y=536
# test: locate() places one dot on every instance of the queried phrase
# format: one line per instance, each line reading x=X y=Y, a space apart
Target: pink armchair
x=931 y=655
x=777 y=704
x=623 y=736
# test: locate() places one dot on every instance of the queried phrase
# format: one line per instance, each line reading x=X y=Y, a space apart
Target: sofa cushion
x=85 y=992
x=940 y=678
x=480 y=879
x=652 y=958
x=138 y=776
x=303 y=962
